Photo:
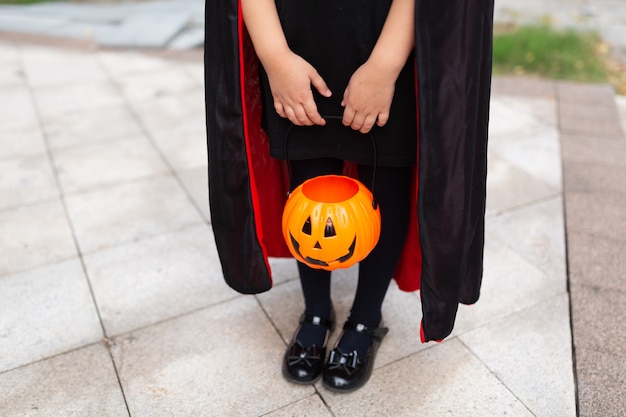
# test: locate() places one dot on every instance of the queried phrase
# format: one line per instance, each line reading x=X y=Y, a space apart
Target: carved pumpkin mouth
x=313 y=261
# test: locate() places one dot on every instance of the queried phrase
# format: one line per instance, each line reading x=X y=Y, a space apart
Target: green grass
x=550 y=53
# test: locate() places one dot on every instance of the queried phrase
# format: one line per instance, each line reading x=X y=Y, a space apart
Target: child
x=355 y=61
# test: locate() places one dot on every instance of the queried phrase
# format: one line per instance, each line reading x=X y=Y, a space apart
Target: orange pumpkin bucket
x=331 y=222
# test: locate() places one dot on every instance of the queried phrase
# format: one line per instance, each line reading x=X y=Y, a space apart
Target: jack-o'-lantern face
x=329 y=222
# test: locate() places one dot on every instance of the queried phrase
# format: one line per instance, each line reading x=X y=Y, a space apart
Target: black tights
x=391 y=191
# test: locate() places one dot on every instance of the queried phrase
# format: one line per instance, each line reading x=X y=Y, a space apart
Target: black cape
x=443 y=255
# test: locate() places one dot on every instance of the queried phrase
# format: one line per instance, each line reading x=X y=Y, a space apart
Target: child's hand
x=367 y=98
x=290 y=78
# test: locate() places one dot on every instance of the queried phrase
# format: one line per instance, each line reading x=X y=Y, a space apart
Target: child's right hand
x=291 y=78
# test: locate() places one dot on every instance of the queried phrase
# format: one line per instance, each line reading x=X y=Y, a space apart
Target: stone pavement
x=111 y=296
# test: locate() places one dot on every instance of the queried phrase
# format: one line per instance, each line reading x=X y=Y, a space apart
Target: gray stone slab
x=130 y=212
x=598 y=317
x=144 y=30
x=587 y=119
x=185 y=148
x=17 y=109
x=596 y=261
x=593 y=95
x=536 y=232
x=189 y=38
x=59 y=99
x=21 y=142
x=96 y=13
x=531 y=356
x=593 y=150
x=80 y=383
x=600 y=214
x=445 y=380
x=15 y=21
x=169 y=113
x=221 y=361
x=34 y=235
x=62 y=69
x=143 y=283
x=90 y=126
x=171 y=80
x=509 y=187
x=44 y=312
x=310 y=406
x=523 y=86
x=26 y=180
x=601 y=378
x=101 y=164
x=196 y=182
x=594 y=179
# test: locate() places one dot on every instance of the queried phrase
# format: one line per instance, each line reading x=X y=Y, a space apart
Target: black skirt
x=337 y=37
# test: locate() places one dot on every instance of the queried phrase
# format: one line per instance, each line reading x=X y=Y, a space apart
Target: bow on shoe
x=347 y=362
x=300 y=354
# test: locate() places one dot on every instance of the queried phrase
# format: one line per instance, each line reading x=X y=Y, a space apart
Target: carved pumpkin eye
x=306 y=229
x=329 y=230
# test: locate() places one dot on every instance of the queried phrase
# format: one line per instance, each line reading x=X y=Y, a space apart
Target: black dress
x=337 y=37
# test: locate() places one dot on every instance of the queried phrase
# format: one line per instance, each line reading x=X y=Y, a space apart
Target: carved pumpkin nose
x=317 y=245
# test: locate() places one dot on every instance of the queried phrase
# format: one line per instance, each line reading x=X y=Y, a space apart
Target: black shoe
x=304 y=364
x=348 y=371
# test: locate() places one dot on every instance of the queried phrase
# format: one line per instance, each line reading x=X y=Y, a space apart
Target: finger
x=291 y=115
x=302 y=117
x=311 y=110
x=383 y=118
x=368 y=124
x=357 y=122
x=280 y=110
x=320 y=85
x=348 y=116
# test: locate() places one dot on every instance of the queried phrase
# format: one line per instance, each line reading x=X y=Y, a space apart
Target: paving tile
x=21 y=142
x=510 y=284
x=11 y=75
x=310 y=406
x=50 y=67
x=531 y=356
x=128 y=62
x=598 y=317
x=601 y=380
x=9 y=53
x=442 y=381
x=596 y=261
x=17 y=22
x=283 y=269
x=522 y=87
x=586 y=119
x=170 y=112
x=196 y=70
x=221 y=361
x=196 y=182
x=99 y=164
x=34 y=235
x=17 y=109
x=593 y=95
x=144 y=30
x=81 y=127
x=26 y=180
x=142 y=283
x=189 y=38
x=507 y=121
x=80 y=383
x=593 y=150
x=538 y=155
x=146 y=85
x=509 y=187
x=595 y=179
x=600 y=214
x=184 y=148
x=535 y=232
x=130 y=212
x=45 y=311
x=55 y=100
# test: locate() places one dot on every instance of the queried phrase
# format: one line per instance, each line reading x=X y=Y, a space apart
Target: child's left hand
x=368 y=96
